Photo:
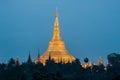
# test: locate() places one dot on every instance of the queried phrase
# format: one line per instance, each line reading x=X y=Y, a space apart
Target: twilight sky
x=89 y=28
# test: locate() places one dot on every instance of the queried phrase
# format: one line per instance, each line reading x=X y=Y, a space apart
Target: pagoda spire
x=56 y=33
x=56 y=15
x=38 y=54
x=29 y=58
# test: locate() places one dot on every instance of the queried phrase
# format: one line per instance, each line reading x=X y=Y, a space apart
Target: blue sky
x=89 y=28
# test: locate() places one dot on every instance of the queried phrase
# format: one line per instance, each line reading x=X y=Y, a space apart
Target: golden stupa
x=56 y=48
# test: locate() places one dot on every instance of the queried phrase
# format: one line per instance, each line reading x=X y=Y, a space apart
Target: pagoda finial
x=56 y=15
x=56 y=18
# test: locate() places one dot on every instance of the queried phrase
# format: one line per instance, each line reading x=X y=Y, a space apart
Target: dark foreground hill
x=13 y=70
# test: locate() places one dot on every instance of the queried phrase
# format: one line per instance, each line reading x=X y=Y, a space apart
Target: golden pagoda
x=56 y=48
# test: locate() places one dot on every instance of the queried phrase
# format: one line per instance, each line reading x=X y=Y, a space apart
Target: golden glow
x=86 y=65
x=100 y=62
x=56 y=47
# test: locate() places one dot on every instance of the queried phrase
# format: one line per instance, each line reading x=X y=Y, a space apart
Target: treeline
x=13 y=70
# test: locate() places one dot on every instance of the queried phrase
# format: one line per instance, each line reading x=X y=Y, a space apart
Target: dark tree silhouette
x=86 y=60
x=13 y=70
